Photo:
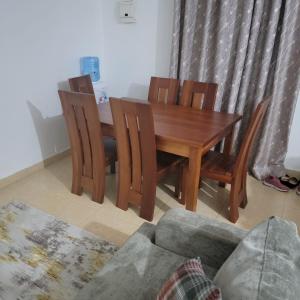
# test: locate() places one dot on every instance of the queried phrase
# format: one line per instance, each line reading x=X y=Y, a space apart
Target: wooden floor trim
x=32 y=169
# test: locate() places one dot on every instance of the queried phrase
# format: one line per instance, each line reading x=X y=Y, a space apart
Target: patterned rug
x=44 y=258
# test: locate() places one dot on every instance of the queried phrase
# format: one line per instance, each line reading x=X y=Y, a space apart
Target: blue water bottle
x=90 y=65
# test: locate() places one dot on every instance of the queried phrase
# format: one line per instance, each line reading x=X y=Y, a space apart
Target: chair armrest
x=191 y=235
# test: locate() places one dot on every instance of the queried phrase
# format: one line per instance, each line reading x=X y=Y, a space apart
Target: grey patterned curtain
x=251 y=48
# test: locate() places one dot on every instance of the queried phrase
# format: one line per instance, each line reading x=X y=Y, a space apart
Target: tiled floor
x=49 y=190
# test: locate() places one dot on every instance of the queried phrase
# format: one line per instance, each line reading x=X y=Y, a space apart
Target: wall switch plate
x=127 y=11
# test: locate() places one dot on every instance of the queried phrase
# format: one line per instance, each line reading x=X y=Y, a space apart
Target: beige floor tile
x=292 y=208
x=49 y=190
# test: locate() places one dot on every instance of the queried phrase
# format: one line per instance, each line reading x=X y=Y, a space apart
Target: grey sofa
x=153 y=253
x=261 y=264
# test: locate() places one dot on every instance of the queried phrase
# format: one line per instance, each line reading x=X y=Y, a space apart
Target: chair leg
x=147 y=213
x=76 y=182
x=200 y=182
x=181 y=199
x=148 y=201
x=179 y=185
x=244 y=187
x=76 y=188
x=244 y=201
x=233 y=202
x=98 y=190
x=98 y=195
x=177 y=192
x=122 y=201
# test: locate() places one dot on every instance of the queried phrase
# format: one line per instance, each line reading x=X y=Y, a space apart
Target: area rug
x=44 y=258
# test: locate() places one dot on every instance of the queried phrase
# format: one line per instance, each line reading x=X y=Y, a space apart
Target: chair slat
x=82 y=84
x=162 y=96
x=191 y=91
x=85 y=141
x=198 y=99
x=163 y=90
x=135 y=152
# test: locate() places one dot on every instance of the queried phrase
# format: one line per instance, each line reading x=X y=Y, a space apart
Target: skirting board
x=41 y=165
x=293 y=173
x=36 y=167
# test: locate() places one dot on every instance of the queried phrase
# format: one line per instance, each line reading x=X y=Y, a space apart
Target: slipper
x=290 y=182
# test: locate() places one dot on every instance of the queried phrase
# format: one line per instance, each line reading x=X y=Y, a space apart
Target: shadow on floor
x=210 y=194
x=213 y=196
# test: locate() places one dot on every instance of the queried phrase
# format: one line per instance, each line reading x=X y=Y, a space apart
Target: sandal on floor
x=290 y=182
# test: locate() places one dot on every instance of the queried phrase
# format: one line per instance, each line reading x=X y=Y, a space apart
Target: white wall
x=41 y=42
x=135 y=52
x=292 y=161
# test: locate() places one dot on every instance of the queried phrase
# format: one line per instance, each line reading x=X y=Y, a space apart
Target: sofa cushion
x=189 y=282
x=208 y=239
x=136 y=271
x=265 y=265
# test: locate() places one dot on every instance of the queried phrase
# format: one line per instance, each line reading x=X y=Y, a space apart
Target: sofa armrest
x=147 y=230
x=137 y=271
x=191 y=235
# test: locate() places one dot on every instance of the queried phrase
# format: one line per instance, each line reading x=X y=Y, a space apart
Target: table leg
x=192 y=177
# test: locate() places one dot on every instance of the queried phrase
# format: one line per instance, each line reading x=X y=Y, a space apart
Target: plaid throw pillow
x=189 y=282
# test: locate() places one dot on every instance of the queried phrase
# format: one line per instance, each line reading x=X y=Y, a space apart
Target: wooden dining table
x=186 y=132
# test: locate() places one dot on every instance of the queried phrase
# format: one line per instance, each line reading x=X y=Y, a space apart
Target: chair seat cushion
x=110 y=149
x=265 y=265
x=211 y=240
x=216 y=165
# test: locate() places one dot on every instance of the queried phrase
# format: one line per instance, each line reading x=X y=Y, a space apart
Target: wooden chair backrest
x=82 y=84
x=81 y=115
x=199 y=95
x=241 y=165
x=163 y=90
x=134 y=131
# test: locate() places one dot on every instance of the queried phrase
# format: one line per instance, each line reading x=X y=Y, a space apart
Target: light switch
x=127 y=11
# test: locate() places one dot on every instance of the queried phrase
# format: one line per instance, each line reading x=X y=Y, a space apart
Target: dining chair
x=231 y=170
x=140 y=165
x=90 y=155
x=199 y=95
x=82 y=84
x=163 y=90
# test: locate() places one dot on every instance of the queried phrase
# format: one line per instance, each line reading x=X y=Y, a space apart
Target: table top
x=182 y=124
